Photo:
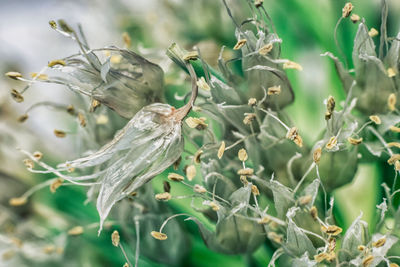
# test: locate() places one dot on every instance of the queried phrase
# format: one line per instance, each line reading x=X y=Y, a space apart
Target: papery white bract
x=149 y=143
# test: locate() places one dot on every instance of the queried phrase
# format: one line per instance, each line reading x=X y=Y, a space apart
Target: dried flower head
x=77 y=230
x=317 y=154
x=376 y=119
x=56 y=184
x=202 y=84
x=355 y=141
x=190 y=172
x=158 y=235
x=246 y=172
x=199 y=189
x=249 y=117
x=331 y=230
x=198 y=123
x=331 y=143
x=175 y=177
x=274 y=90
x=355 y=18
x=115 y=238
x=264 y=50
x=59 y=133
x=17 y=96
x=392 y=102
x=17 y=201
x=292 y=65
x=221 y=150
x=240 y=43
x=13 y=75
x=373 y=32
x=163 y=196
x=348 y=7
x=252 y=102
x=242 y=154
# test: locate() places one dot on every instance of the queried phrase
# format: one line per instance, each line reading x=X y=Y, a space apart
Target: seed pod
x=246 y=172
x=175 y=177
x=221 y=150
x=292 y=65
x=355 y=141
x=274 y=90
x=331 y=230
x=163 y=196
x=77 y=230
x=348 y=7
x=158 y=235
x=265 y=49
x=240 y=43
x=115 y=238
x=17 y=96
x=242 y=154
